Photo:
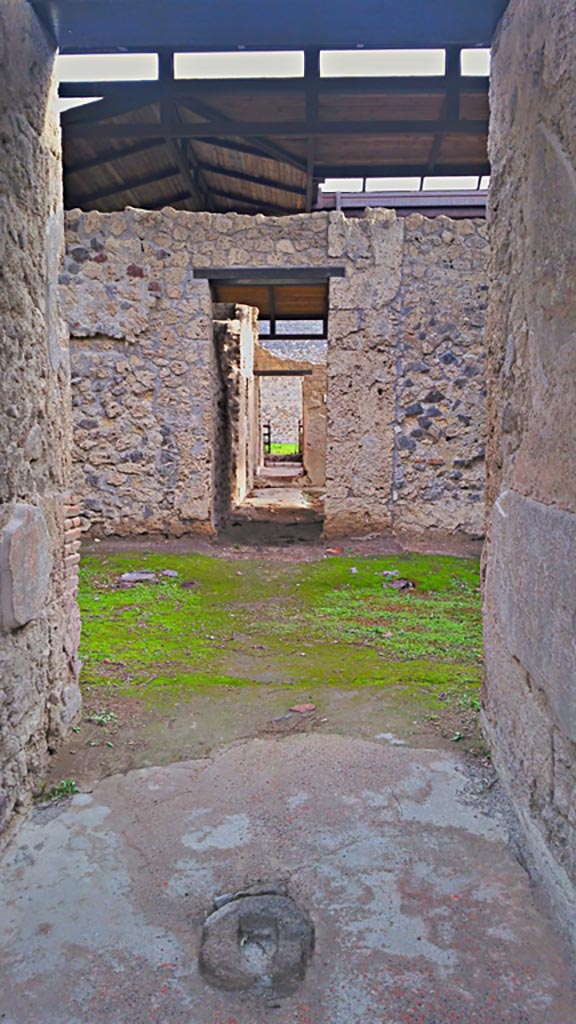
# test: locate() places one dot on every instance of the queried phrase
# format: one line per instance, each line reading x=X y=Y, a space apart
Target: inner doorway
x=274 y=401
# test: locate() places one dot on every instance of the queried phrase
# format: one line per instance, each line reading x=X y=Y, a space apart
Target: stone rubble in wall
x=440 y=428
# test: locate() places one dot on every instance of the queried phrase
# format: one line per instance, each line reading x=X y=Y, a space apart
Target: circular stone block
x=25 y=567
x=257 y=942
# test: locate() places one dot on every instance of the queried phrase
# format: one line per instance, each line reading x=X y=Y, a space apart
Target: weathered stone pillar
x=530 y=587
x=363 y=329
x=39 y=622
x=237 y=436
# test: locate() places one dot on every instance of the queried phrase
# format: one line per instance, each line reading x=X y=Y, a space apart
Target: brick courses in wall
x=405 y=331
x=39 y=622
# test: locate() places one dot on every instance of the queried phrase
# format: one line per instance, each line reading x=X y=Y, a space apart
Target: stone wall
x=405 y=324
x=312 y=350
x=441 y=389
x=144 y=375
x=530 y=587
x=281 y=399
x=39 y=623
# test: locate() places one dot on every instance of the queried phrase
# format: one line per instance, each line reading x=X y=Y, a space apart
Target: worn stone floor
x=281 y=497
x=401 y=858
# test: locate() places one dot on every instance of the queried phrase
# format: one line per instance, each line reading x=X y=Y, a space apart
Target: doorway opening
x=271 y=354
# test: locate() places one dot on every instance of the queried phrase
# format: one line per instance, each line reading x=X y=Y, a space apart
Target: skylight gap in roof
x=429 y=183
x=392 y=184
x=342 y=185
x=475 y=62
x=107 y=67
x=439 y=183
x=387 y=63
x=244 y=64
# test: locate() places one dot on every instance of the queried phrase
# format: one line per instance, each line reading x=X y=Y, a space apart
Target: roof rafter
x=178 y=150
x=235 y=146
x=105 y=25
x=128 y=185
x=236 y=197
x=311 y=85
x=109 y=156
x=251 y=179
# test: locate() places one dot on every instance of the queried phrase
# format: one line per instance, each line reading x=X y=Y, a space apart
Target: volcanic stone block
x=25 y=566
x=531 y=584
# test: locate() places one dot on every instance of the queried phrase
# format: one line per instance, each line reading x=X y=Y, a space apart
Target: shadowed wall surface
x=530 y=595
x=39 y=620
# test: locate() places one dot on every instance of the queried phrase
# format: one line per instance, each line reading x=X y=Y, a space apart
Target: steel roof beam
x=182 y=88
x=286 y=129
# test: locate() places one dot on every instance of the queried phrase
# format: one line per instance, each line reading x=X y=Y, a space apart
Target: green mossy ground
x=283 y=448
x=241 y=622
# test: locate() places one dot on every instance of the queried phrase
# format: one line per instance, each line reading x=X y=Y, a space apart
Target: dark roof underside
x=263 y=145
x=93 y=25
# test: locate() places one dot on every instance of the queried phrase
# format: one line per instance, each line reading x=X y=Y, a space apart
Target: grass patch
x=283 y=448
x=230 y=623
x=439 y=618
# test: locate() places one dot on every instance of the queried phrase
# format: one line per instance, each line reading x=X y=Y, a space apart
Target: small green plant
x=60 y=790
x=104 y=717
x=470 y=703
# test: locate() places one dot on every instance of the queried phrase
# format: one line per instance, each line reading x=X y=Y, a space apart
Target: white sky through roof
x=245 y=64
x=382 y=62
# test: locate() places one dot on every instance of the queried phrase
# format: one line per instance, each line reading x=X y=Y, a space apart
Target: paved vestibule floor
x=422 y=913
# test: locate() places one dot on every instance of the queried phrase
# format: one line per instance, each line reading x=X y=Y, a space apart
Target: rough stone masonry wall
x=145 y=383
x=281 y=399
x=39 y=623
x=441 y=389
x=530 y=587
x=144 y=375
